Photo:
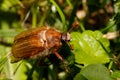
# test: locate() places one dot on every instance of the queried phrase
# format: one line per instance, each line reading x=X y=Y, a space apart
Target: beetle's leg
x=71 y=46
x=64 y=63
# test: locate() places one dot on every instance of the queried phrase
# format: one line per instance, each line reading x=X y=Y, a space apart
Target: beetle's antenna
x=74 y=26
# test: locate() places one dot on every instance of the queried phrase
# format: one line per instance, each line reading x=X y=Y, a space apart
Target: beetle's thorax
x=43 y=39
x=50 y=38
x=53 y=37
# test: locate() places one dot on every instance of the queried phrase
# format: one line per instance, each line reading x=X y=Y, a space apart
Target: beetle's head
x=65 y=37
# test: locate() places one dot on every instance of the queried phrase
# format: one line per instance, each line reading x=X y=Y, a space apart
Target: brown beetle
x=39 y=42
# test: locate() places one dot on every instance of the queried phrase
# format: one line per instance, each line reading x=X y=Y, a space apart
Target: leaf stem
x=62 y=16
x=69 y=3
x=82 y=27
x=34 y=16
x=71 y=20
x=32 y=70
x=110 y=65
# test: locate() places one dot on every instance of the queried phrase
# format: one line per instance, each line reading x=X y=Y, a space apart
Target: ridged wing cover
x=28 y=43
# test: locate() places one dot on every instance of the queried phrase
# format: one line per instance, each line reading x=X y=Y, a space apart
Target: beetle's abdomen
x=28 y=46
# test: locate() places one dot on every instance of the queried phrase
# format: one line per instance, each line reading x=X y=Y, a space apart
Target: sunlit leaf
x=20 y=74
x=90 y=47
x=5 y=70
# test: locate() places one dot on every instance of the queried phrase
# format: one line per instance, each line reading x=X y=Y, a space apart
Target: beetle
x=37 y=43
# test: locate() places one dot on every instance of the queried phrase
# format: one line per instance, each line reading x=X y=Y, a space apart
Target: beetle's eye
x=65 y=37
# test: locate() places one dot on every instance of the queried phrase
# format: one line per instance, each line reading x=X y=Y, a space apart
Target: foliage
x=92 y=54
x=90 y=45
x=89 y=73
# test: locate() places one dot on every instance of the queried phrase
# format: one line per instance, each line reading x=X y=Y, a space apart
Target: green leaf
x=7 y=4
x=23 y=68
x=95 y=72
x=79 y=76
x=90 y=47
x=5 y=70
x=116 y=74
x=8 y=33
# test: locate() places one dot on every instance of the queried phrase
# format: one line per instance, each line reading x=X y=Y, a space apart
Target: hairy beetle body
x=39 y=42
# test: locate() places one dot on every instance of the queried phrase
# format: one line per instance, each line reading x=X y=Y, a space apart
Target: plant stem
x=82 y=27
x=32 y=70
x=34 y=16
x=73 y=15
x=43 y=18
x=110 y=65
x=62 y=16
x=69 y=3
